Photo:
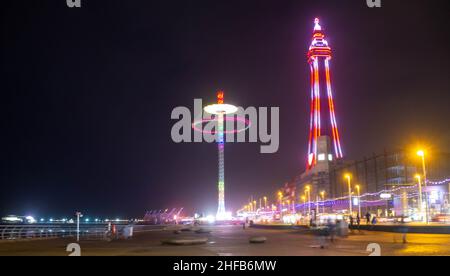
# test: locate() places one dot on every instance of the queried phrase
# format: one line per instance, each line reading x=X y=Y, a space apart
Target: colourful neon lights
x=439 y=182
x=221 y=148
x=220 y=97
x=217 y=109
x=198 y=125
x=220 y=110
x=319 y=52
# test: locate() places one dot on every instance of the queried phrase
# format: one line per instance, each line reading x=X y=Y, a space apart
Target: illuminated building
x=392 y=170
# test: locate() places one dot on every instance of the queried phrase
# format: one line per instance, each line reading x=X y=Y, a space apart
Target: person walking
x=358 y=220
x=368 y=218
x=404 y=229
x=374 y=220
x=323 y=234
x=331 y=229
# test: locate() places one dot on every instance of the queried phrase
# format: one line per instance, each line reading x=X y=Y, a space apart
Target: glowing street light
x=358 y=190
x=349 y=182
x=265 y=202
x=421 y=153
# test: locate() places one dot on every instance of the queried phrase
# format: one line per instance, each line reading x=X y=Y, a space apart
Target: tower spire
x=319 y=56
x=317 y=26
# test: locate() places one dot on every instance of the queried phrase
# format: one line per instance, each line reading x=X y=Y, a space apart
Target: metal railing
x=21 y=232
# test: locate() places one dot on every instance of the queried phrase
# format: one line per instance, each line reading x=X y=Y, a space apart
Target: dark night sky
x=87 y=94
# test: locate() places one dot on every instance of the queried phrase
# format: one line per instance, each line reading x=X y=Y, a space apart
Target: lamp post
x=280 y=198
x=265 y=203
x=358 y=190
x=304 y=203
x=419 y=180
x=79 y=215
x=317 y=204
x=421 y=153
x=322 y=194
x=349 y=182
x=308 y=194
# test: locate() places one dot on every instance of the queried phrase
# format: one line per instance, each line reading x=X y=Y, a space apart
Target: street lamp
x=308 y=194
x=79 y=215
x=254 y=203
x=265 y=202
x=358 y=190
x=317 y=204
x=304 y=203
x=349 y=177
x=421 y=153
x=322 y=194
x=419 y=180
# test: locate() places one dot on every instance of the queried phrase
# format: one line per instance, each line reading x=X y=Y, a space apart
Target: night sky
x=87 y=95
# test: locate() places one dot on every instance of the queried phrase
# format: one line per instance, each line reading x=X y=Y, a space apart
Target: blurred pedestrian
x=323 y=233
x=358 y=220
x=403 y=229
x=331 y=229
x=368 y=216
x=374 y=220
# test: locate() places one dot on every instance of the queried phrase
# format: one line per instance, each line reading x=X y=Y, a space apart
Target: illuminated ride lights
x=220 y=110
x=343 y=201
x=319 y=56
x=441 y=182
x=198 y=125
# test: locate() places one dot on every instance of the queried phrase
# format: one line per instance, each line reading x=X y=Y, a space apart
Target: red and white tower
x=319 y=56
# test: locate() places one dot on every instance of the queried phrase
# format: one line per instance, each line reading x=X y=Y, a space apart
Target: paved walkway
x=233 y=241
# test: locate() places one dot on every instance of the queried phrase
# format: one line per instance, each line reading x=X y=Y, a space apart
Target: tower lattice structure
x=319 y=56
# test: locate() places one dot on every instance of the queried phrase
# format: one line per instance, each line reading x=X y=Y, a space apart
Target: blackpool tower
x=319 y=56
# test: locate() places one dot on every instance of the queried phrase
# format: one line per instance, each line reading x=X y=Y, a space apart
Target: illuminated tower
x=221 y=110
x=319 y=56
x=221 y=147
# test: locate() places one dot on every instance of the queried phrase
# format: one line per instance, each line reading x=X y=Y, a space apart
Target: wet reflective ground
x=234 y=241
